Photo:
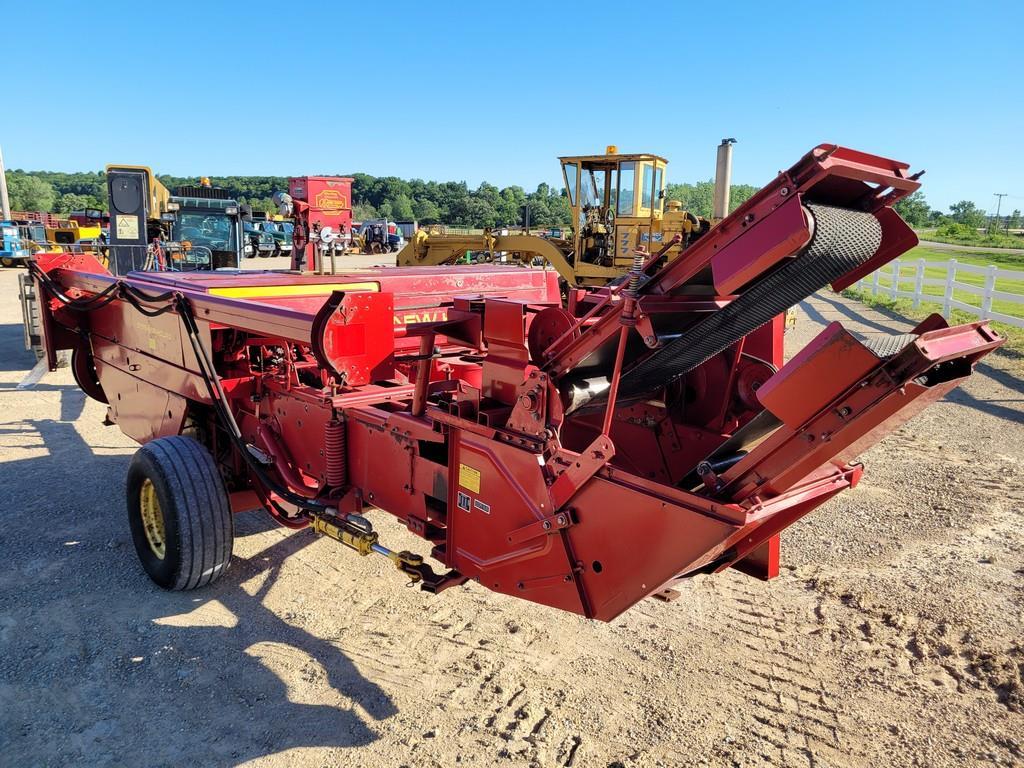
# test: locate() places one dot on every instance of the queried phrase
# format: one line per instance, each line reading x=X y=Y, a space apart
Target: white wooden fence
x=898 y=274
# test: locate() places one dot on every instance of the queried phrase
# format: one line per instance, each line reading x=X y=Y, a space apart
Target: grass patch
x=1012 y=349
x=1005 y=261
x=994 y=240
x=933 y=294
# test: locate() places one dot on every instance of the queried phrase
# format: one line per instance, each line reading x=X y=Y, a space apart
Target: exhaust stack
x=723 y=179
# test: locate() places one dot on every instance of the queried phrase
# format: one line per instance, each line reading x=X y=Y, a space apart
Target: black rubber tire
x=83 y=368
x=7 y=261
x=199 y=530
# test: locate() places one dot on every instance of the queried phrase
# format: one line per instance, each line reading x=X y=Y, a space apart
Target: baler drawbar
x=582 y=454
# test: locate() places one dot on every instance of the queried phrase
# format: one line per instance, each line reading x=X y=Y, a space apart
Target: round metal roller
x=843 y=240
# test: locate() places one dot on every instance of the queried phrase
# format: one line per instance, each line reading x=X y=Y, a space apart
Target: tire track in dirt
x=793 y=708
x=891 y=638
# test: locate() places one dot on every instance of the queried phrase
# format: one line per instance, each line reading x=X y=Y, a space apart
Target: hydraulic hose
x=81 y=305
x=227 y=419
x=176 y=301
x=116 y=290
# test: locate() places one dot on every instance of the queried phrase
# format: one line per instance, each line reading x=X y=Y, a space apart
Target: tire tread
x=206 y=525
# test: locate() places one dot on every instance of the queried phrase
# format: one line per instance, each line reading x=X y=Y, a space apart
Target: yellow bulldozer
x=618 y=204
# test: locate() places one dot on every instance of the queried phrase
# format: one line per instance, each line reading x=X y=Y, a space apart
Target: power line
x=999 y=207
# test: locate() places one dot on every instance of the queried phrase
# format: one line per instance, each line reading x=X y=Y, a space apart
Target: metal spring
x=335 y=458
x=637 y=272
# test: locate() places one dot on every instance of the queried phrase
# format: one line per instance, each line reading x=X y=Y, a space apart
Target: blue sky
x=495 y=91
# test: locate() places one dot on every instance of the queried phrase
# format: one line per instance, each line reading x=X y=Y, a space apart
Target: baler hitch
x=355 y=532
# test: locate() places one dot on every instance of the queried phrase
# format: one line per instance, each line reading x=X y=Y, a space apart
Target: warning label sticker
x=463 y=501
x=469 y=478
x=127 y=227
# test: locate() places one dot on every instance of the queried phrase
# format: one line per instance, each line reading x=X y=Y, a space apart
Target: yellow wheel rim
x=152 y=519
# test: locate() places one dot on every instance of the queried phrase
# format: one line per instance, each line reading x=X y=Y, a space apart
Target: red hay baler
x=582 y=454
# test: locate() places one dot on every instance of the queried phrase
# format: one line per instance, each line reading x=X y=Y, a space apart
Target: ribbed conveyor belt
x=842 y=240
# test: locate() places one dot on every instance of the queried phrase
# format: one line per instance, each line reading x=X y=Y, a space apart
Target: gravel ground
x=893 y=637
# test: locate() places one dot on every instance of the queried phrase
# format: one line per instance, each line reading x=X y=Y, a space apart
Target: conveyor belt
x=843 y=240
x=885 y=345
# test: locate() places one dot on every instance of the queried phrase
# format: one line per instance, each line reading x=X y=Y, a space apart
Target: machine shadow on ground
x=13 y=355
x=148 y=663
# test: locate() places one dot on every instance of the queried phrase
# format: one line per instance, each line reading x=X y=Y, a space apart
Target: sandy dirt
x=895 y=635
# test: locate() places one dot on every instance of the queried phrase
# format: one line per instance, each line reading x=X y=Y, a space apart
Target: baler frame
x=462 y=400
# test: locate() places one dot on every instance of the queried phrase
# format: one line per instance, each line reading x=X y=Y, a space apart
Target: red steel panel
x=495 y=490
x=816 y=375
x=781 y=234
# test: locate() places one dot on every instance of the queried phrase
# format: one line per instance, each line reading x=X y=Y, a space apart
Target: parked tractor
x=33 y=235
x=198 y=227
x=68 y=232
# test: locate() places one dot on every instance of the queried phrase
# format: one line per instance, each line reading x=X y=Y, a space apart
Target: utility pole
x=999 y=207
x=5 y=203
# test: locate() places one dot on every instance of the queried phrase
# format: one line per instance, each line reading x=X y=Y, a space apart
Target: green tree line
x=698 y=198
x=964 y=213
x=448 y=202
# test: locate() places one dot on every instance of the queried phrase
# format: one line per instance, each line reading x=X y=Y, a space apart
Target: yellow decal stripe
x=309 y=289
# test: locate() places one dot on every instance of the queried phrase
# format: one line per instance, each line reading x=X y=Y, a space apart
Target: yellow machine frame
x=617 y=202
x=159 y=195
x=71 y=232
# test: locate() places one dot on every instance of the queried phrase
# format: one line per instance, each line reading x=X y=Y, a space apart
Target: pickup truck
x=259 y=243
x=282 y=237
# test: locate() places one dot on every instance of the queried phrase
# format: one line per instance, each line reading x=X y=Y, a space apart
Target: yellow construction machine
x=618 y=204
x=70 y=232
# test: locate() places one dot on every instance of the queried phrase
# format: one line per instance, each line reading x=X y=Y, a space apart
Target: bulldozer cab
x=617 y=202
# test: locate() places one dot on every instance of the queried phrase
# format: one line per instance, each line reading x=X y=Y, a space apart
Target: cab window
x=570 y=181
x=647 y=198
x=592 y=189
x=627 y=188
x=659 y=177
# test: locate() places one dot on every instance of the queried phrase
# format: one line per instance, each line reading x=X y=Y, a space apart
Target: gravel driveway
x=893 y=637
